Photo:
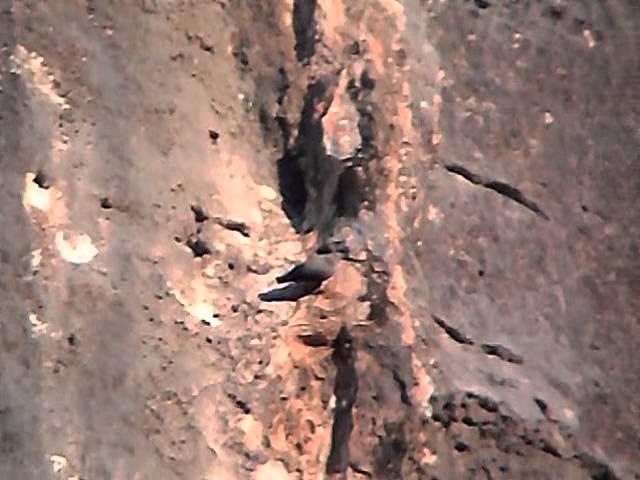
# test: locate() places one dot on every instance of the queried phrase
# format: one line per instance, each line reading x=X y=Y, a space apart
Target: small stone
x=267 y=193
x=214 y=136
x=259 y=268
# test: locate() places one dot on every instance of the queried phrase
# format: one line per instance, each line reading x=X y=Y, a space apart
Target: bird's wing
x=316 y=268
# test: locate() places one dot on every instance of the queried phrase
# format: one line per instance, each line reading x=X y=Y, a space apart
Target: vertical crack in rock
x=512 y=193
x=304 y=28
x=377 y=286
x=360 y=94
x=346 y=391
x=402 y=386
x=391 y=451
x=308 y=178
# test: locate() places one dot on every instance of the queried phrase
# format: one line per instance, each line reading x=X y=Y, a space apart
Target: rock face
x=164 y=161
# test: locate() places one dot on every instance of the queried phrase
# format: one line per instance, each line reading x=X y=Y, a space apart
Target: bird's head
x=333 y=246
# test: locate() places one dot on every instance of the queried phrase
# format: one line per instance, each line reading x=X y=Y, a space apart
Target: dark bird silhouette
x=308 y=276
x=318 y=267
x=290 y=293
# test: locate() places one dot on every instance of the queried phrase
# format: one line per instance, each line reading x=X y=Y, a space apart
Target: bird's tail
x=290 y=293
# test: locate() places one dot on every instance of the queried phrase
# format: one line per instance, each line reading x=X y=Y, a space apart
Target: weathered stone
x=479 y=159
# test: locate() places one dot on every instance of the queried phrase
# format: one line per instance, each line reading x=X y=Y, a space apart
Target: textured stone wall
x=163 y=161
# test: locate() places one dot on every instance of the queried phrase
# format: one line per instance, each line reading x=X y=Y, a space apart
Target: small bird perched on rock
x=320 y=266
x=306 y=277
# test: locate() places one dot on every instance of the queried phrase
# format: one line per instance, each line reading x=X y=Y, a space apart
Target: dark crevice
x=360 y=94
x=285 y=130
x=376 y=294
x=502 y=352
x=402 y=385
x=314 y=340
x=469 y=421
x=41 y=179
x=240 y=53
x=199 y=214
x=555 y=12
x=214 y=136
x=199 y=247
x=353 y=48
x=455 y=334
x=597 y=469
x=283 y=85
x=361 y=471
x=444 y=409
x=105 y=203
x=487 y=472
x=293 y=190
x=482 y=4
x=390 y=451
x=542 y=405
x=304 y=28
x=367 y=82
x=346 y=391
x=267 y=123
x=348 y=194
x=307 y=176
x=486 y=403
x=241 y=404
x=234 y=226
x=461 y=447
x=502 y=188
x=546 y=447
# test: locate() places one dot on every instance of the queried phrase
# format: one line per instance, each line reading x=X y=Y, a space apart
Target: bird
x=320 y=266
x=308 y=276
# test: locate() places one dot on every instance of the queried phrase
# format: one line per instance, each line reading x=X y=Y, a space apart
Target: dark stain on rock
x=346 y=391
x=390 y=452
x=304 y=28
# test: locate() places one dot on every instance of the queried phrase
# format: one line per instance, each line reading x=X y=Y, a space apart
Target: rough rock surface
x=162 y=161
